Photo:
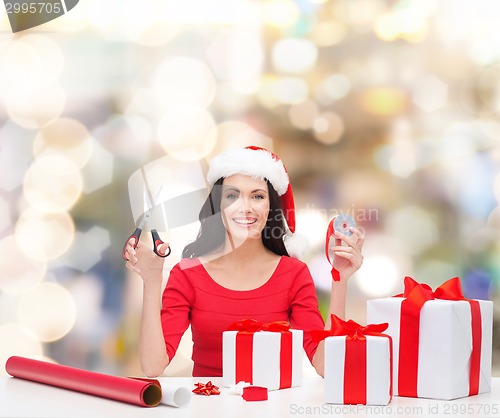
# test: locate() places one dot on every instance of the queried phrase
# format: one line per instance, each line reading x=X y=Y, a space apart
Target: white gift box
x=265 y=358
x=445 y=345
x=378 y=370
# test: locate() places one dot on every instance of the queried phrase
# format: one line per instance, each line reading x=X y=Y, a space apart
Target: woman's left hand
x=348 y=258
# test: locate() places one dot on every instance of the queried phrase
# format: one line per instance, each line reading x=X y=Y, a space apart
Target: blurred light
x=145 y=23
x=15 y=155
x=403 y=156
x=386 y=27
x=230 y=101
x=100 y=15
x=386 y=263
x=303 y=115
x=334 y=87
x=87 y=291
x=121 y=136
x=26 y=62
x=44 y=236
x=52 y=183
x=491 y=128
x=480 y=93
x=35 y=107
x=17 y=341
x=496 y=187
x=493 y=221
x=321 y=271
x=21 y=272
x=414 y=227
x=435 y=272
x=86 y=249
x=265 y=95
x=5 y=220
x=430 y=94
x=280 y=13
x=292 y=55
x=64 y=137
x=48 y=310
x=328 y=33
x=362 y=13
x=236 y=134
x=99 y=170
x=379 y=276
x=228 y=12
x=457 y=141
x=236 y=55
x=312 y=224
x=289 y=90
x=140 y=104
x=328 y=128
x=184 y=81
x=187 y=133
x=384 y=101
x=407 y=20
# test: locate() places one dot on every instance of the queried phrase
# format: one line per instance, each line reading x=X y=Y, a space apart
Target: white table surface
x=24 y=399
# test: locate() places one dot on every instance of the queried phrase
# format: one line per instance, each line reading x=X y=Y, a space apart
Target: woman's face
x=244 y=207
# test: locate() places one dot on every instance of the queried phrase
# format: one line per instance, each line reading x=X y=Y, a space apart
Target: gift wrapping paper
x=375 y=377
x=259 y=359
x=143 y=392
x=452 y=360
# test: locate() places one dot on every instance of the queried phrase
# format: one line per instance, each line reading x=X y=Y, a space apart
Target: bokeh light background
x=386 y=110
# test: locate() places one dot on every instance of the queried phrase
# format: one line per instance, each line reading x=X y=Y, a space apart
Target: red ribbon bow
x=244 y=349
x=355 y=354
x=416 y=295
x=349 y=328
x=329 y=232
x=252 y=326
x=206 y=389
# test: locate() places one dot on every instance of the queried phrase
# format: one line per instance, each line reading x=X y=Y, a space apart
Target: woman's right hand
x=143 y=261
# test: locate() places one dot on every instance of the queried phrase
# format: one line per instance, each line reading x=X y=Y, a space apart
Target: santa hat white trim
x=258 y=163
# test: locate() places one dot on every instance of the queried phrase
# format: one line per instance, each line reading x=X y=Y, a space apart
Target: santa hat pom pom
x=296 y=244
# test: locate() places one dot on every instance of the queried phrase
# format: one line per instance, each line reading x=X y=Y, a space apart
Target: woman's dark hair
x=212 y=232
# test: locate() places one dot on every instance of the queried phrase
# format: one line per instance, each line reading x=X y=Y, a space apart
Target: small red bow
x=206 y=389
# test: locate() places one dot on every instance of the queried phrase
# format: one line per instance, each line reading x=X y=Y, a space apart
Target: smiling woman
x=242 y=265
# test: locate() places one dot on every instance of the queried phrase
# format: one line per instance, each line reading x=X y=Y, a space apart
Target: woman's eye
x=232 y=196
x=259 y=197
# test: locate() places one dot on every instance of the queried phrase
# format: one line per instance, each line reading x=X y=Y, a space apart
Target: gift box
x=267 y=355
x=442 y=341
x=358 y=363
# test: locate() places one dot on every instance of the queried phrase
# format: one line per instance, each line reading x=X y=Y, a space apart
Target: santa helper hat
x=260 y=163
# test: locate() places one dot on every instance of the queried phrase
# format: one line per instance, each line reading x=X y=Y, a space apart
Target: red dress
x=192 y=296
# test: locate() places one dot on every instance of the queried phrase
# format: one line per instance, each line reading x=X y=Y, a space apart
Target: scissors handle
x=135 y=236
x=157 y=242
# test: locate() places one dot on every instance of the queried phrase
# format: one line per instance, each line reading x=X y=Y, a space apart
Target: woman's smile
x=245 y=222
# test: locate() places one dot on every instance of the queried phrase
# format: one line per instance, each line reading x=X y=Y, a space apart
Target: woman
x=238 y=267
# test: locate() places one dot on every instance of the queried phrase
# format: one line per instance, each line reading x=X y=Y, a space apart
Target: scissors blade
x=150 y=207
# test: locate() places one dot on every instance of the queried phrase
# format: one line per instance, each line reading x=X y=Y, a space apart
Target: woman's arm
x=152 y=349
x=347 y=260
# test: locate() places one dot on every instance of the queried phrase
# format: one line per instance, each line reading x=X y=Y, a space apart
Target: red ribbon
x=416 y=294
x=355 y=354
x=244 y=349
x=329 y=232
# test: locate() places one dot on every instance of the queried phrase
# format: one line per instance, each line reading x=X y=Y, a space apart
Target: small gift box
x=267 y=355
x=357 y=363
x=442 y=341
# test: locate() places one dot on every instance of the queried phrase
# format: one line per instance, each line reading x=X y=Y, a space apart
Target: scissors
x=148 y=211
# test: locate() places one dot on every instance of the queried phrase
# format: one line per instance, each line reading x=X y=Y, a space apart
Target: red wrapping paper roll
x=141 y=392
